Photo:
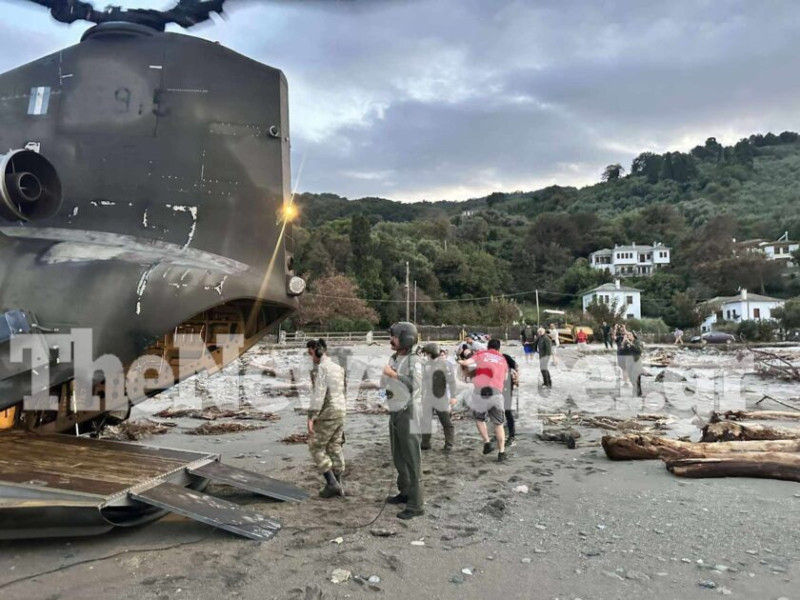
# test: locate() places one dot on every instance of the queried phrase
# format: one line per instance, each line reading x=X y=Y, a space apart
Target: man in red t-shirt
x=490 y=371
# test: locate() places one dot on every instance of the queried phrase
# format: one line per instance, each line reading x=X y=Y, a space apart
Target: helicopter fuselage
x=173 y=158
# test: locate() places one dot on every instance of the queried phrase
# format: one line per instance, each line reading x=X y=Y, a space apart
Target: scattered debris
x=660 y=358
x=654 y=422
x=360 y=408
x=669 y=376
x=212 y=413
x=383 y=532
x=296 y=438
x=521 y=489
x=418 y=543
x=340 y=575
x=781 y=402
x=134 y=430
x=781 y=366
x=566 y=437
x=225 y=427
x=338 y=540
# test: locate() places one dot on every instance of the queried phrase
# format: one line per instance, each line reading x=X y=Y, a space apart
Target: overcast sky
x=453 y=99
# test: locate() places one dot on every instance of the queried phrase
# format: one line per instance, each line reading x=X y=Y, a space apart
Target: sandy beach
x=582 y=527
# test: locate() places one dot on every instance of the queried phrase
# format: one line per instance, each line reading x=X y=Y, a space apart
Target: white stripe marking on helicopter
x=39 y=101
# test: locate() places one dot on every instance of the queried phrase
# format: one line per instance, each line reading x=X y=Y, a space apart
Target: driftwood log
x=728 y=431
x=768 y=465
x=755 y=415
x=648 y=447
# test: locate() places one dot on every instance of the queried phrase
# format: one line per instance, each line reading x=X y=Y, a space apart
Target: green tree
x=581 y=276
x=611 y=312
x=788 y=315
x=648 y=165
x=612 y=172
x=360 y=235
x=494 y=198
x=657 y=223
x=684 y=311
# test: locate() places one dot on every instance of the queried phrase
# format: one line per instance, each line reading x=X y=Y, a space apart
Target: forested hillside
x=511 y=243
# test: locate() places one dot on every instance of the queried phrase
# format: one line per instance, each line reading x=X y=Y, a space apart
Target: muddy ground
x=587 y=527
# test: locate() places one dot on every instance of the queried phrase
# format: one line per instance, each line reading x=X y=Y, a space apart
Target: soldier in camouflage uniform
x=402 y=379
x=326 y=418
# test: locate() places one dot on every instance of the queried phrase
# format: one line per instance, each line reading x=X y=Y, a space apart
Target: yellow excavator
x=567 y=333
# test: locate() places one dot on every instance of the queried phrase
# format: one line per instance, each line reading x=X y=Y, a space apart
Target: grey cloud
x=406 y=98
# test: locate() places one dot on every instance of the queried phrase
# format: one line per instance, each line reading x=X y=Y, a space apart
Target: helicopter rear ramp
x=59 y=485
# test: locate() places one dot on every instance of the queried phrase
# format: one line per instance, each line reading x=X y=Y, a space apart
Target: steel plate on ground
x=250 y=481
x=207 y=509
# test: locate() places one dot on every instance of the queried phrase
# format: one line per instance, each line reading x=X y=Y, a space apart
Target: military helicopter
x=145 y=213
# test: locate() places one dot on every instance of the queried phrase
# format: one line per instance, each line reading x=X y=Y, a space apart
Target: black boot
x=398 y=499
x=332 y=486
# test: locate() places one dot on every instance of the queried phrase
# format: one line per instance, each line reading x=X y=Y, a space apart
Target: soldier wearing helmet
x=438 y=396
x=402 y=380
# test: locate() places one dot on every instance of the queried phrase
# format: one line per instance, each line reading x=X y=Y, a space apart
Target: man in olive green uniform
x=544 y=347
x=438 y=396
x=402 y=380
x=326 y=418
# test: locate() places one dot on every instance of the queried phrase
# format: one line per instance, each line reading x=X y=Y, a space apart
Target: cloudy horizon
x=453 y=99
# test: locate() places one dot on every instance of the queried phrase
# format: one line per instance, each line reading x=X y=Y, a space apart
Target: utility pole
x=415 y=302
x=408 y=295
x=537 y=310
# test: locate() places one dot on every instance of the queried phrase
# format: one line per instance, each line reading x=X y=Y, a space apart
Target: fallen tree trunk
x=767 y=465
x=728 y=431
x=755 y=415
x=647 y=447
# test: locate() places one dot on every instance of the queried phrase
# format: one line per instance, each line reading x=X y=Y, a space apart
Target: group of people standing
x=421 y=383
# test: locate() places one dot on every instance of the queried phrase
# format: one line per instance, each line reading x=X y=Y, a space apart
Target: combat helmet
x=406 y=334
x=431 y=349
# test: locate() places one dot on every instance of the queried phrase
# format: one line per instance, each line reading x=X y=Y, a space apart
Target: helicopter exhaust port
x=30 y=188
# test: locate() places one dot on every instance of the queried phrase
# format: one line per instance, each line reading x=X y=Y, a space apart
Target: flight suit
x=403 y=397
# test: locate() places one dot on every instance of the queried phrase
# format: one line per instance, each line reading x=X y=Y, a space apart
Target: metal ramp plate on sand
x=210 y=510
x=250 y=481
